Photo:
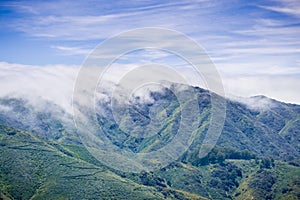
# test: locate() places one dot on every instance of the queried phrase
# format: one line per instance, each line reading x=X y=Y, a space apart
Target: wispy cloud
x=243 y=38
x=72 y=50
x=261 y=50
x=84 y=22
x=289 y=7
x=253 y=69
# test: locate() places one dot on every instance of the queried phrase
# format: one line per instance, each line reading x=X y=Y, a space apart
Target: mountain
x=257 y=155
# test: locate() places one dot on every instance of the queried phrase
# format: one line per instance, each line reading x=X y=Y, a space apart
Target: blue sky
x=254 y=44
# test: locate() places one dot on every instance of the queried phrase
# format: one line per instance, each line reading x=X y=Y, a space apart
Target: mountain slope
x=259 y=145
x=33 y=169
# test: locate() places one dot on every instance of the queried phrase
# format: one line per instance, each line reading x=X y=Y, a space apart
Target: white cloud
x=56 y=83
x=81 y=21
x=281 y=87
x=257 y=69
x=243 y=46
x=255 y=102
x=52 y=83
x=72 y=50
x=289 y=7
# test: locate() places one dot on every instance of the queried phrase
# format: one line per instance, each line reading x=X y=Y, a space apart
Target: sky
x=254 y=45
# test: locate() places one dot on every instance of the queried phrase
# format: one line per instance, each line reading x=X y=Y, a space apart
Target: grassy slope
x=32 y=169
x=280 y=182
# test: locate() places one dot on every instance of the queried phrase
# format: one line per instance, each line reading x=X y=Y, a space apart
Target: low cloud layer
x=55 y=83
x=282 y=88
x=51 y=83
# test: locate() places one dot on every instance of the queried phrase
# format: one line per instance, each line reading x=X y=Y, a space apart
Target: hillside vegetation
x=256 y=157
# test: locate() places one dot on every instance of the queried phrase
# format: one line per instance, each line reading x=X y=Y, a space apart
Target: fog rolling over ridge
x=30 y=95
x=55 y=83
x=259 y=140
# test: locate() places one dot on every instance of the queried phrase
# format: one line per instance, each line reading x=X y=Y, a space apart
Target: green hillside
x=33 y=169
x=257 y=155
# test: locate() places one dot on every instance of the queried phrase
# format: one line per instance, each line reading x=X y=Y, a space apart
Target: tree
x=265 y=163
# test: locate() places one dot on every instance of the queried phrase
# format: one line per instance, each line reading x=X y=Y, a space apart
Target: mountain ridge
x=254 y=144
